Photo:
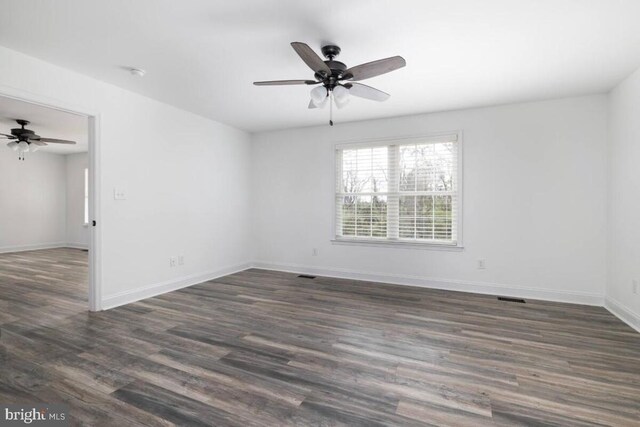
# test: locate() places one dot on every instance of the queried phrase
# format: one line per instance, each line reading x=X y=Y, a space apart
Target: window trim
x=399 y=243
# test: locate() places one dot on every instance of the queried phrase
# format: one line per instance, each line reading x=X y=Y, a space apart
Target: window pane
x=363 y=216
x=379 y=216
x=365 y=170
x=407 y=168
x=444 y=160
x=349 y=216
x=407 y=228
x=424 y=217
x=442 y=217
x=379 y=174
x=427 y=167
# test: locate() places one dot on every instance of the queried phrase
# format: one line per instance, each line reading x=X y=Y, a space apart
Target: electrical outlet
x=173 y=261
x=634 y=286
x=482 y=264
x=181 y=260
x=314 y=252
x=119 y=194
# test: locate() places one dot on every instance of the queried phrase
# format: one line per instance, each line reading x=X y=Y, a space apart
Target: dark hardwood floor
x=262 y=348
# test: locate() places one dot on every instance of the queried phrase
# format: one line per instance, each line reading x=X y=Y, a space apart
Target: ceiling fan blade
x=37 y=142
x=367 y=92
x=57 y=141
x=375 y=68
x=311 y=58
x=8 y=136
x=285 y=82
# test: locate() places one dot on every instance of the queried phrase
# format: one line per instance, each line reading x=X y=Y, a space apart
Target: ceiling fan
x=25 y=140
x=337 y=81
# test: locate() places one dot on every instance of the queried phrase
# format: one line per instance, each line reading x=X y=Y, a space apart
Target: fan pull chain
x=331 y=107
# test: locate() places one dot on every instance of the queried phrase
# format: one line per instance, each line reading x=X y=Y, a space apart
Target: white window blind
x=399 y=191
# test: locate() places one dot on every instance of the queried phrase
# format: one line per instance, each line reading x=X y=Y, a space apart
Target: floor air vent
x=306 y=276
x=520 y=300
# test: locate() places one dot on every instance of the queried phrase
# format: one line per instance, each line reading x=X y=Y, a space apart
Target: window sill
x=399 y=244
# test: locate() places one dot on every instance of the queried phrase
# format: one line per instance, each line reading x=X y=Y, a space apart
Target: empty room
x=44 y=240
x=367 y=213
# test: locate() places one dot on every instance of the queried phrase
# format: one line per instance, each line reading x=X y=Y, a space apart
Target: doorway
x=49 y=176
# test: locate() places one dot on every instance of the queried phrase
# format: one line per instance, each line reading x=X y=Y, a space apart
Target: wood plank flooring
x=263 y=348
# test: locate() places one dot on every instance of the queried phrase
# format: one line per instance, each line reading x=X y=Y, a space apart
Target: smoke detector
x=137 y=72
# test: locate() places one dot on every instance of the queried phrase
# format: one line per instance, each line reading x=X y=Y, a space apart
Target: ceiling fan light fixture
x=322 y=103
x=23 y=146
x=13 y=145
x=33 y=148
x=318 y=95
x=340 y=94
x=340 y=103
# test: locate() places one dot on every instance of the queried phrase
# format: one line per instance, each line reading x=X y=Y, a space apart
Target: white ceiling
x=203 y=55
x=45 y=122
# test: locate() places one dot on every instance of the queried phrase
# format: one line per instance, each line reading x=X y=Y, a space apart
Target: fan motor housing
x=336 y=66
x=337 y=70
x=21 y=132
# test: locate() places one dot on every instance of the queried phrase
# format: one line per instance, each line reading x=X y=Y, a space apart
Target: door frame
x=95 y=236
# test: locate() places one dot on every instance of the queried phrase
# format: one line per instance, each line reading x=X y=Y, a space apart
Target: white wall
x=77 y=233
x=534 y=202
x=42 y=201
x=32 y=200
x=185 y=176
x=624 y=199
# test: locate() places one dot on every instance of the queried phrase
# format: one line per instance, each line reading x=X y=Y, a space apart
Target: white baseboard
x=584 y=298
x=623 y=313
x=76 y=245
x=40 y=246
x=133 y=295
x=32 y=247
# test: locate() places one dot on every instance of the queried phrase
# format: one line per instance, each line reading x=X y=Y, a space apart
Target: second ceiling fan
x=25 y=140
x=336 y=81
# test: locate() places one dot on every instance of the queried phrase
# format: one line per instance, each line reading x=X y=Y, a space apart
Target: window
x=404 y=191
x=86 y=196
